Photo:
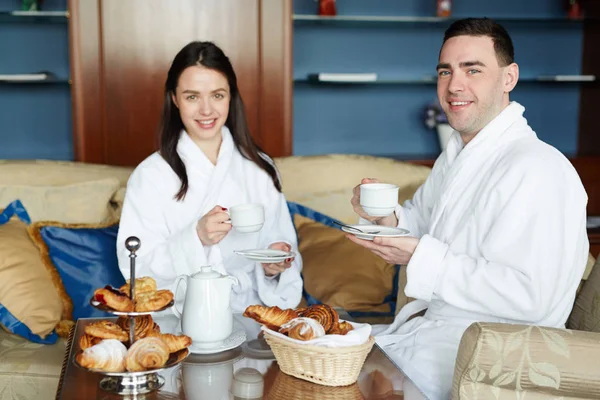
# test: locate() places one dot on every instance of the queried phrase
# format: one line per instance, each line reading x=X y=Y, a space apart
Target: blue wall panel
x=387 y=119
x=35 y=118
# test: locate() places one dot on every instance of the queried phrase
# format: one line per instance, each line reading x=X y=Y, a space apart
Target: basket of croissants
x=313 y=344
x=105 y=346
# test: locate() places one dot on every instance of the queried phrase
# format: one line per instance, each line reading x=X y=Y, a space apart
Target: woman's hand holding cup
x=213 y=226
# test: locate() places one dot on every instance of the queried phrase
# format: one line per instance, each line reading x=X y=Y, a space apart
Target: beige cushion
x=26 y=288
x=84 y=202
x=586 y=311
x=495 y=361
x=341 y=273
x=29 y=371
x=325 y=183
x=57 y=173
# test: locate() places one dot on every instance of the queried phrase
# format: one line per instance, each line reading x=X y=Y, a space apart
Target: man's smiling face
x=472 y=87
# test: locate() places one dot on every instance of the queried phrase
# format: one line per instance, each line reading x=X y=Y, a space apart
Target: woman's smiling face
x=202 y=97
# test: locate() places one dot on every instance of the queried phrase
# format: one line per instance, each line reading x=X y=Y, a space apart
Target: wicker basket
x=338 y=366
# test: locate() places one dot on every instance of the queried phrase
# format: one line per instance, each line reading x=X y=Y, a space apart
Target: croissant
x=142 y=285
x=271 y=317
x=146 y=353
x=87 y=341
x=113 y=298
x=175 y=343
x=153 y=301
x=143 y=325
x=108 y=355
x=303 y=329
x=341 y=328
x=323 y=313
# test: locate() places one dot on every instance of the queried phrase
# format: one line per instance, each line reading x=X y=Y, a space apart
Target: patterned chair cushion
x=502 y=361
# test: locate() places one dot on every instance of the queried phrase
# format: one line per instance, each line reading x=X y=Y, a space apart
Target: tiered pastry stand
x=133 y=383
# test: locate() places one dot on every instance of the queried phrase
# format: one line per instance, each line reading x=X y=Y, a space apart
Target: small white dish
x=266 y=256
x=237 y=338
x=258 y=348
x=384 y=231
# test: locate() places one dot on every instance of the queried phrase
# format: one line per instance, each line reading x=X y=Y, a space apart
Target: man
x=498 y=230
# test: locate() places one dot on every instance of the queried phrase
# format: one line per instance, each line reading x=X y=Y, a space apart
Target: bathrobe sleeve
x=163 y=255
x=533 y=246
x=415 y=214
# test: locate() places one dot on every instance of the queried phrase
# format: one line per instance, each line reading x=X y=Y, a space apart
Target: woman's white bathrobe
x=502 y=228
x=167 y=228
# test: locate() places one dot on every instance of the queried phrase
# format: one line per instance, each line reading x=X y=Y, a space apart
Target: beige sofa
x=324 y=183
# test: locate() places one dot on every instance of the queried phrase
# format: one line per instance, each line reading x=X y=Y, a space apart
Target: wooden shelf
x=559 y=79
x=311 y=18
x=34 y=16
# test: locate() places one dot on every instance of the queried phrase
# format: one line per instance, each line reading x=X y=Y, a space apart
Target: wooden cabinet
x=121 y=51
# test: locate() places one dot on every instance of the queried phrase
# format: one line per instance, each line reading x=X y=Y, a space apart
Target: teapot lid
x=207 y=272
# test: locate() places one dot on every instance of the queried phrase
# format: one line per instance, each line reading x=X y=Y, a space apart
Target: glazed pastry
x=175 y=343
x=303 y=329
x=106 y=330
x=154 y=332
x=323 y=313
x=87 y=341
x=153 y=301
x=108 y=355
x=142 y=285
x=143 y=325
x=271 y=317
x=146 y=353
x=341 y=328
x=113 y=298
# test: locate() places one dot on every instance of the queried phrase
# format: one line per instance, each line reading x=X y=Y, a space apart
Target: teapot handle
x=178 y=280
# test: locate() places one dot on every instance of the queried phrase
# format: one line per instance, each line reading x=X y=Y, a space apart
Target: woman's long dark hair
x=208 y=55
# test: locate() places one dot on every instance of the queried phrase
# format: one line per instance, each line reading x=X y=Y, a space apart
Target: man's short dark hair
x=503 y=45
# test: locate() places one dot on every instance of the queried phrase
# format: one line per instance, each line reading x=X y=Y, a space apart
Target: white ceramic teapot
x=206 y=315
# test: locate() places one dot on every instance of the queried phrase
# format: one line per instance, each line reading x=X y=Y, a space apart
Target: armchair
x=502 y=361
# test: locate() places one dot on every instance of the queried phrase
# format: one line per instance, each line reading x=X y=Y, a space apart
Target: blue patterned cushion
x=343 y=250
x=85 y=258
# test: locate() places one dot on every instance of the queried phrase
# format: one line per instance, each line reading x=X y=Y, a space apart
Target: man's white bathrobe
x=502 y=228
x=167 y=228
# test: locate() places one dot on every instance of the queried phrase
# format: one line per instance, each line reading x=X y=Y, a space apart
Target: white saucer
x=266 y=256
x=237 y=337
x=383 y=231
x=258 y=348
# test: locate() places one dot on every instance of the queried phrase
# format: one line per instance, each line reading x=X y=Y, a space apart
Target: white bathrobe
x=167 y=228
x=502 y=228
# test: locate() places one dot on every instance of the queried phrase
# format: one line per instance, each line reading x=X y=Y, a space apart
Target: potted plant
x=435 y=118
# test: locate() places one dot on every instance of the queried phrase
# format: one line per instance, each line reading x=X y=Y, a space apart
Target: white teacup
x=378 y=199
x=247 y=218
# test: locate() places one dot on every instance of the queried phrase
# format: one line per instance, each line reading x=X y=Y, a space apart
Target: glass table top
x=215 y=376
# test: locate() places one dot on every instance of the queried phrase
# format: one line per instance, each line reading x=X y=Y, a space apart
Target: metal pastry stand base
x=127 y=385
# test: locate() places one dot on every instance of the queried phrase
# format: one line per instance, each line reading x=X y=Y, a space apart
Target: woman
x=177 y=199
